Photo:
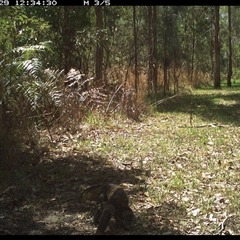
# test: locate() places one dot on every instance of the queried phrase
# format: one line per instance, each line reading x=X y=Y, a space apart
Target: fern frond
x=42 y=46
x=32 y=67
x=73 y=78
x=54 y=75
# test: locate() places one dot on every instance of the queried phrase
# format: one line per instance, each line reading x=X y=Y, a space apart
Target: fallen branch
x=163 y=100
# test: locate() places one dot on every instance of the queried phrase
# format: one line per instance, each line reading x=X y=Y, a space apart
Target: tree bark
x=229 y=76
x=99 y=48
x=135 y=49
x=217 y=80
x=155 y=60
x=67 y=37
x=150 y=50
x=165 y=56
x=193 y=52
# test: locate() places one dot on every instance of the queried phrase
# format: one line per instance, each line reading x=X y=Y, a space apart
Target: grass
x=196 y=166
x=182 y=177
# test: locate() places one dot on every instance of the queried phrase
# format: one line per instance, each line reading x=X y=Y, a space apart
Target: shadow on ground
x=218 y=107
x=40 y=197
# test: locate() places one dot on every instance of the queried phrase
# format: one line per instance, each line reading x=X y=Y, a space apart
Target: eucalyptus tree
x=217 y=80
x=152 y=48
x=135 y=50
x=229 y=75
x=235 y=36
x=99 y=47
x=170 y=52
x=196 y=36
x=155 y=57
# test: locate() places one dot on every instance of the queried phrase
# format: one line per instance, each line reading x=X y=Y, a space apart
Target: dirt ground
x=40 y=197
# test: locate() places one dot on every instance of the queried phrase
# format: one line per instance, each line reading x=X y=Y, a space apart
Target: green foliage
x=19 y=92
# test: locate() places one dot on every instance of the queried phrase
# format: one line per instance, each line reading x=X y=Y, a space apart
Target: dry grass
x=119 y=74
x=193 y=169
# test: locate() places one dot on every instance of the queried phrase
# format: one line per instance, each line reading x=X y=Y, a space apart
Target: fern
x=28 y=52
x=32 y=67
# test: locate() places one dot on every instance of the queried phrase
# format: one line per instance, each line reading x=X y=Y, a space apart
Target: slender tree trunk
x=67 y=39
x=187 y=40
x=135 y=49
x=1 y=113
x=99 y=49
x=229 y=83
x=217 y=80
x=165 y=57
x=193 y=48
x=155 y=60
x=150 y=50
x=192 y=57
x=212 y=54
x=175 y=67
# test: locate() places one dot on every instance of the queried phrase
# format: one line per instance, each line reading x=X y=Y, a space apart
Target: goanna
x=111 y=200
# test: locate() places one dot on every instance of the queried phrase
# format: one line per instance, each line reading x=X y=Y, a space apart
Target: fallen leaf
x=195 y=212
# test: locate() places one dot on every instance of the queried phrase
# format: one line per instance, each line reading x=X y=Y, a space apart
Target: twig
x=164 y=100
x=113 y=96
x=223 y=225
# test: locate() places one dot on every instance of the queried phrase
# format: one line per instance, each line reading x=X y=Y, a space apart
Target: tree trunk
x=67 y=37
x=135 y=49
x=229 y=83
x=99 y=49
x=165 y=57
x=155 y=60
x=212 y=54
x=217 y=80
x=1 y=114
x=193 y=54
x=193 y=47
x=150 y=50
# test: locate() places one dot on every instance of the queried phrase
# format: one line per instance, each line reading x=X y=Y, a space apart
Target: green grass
x=196 y=166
